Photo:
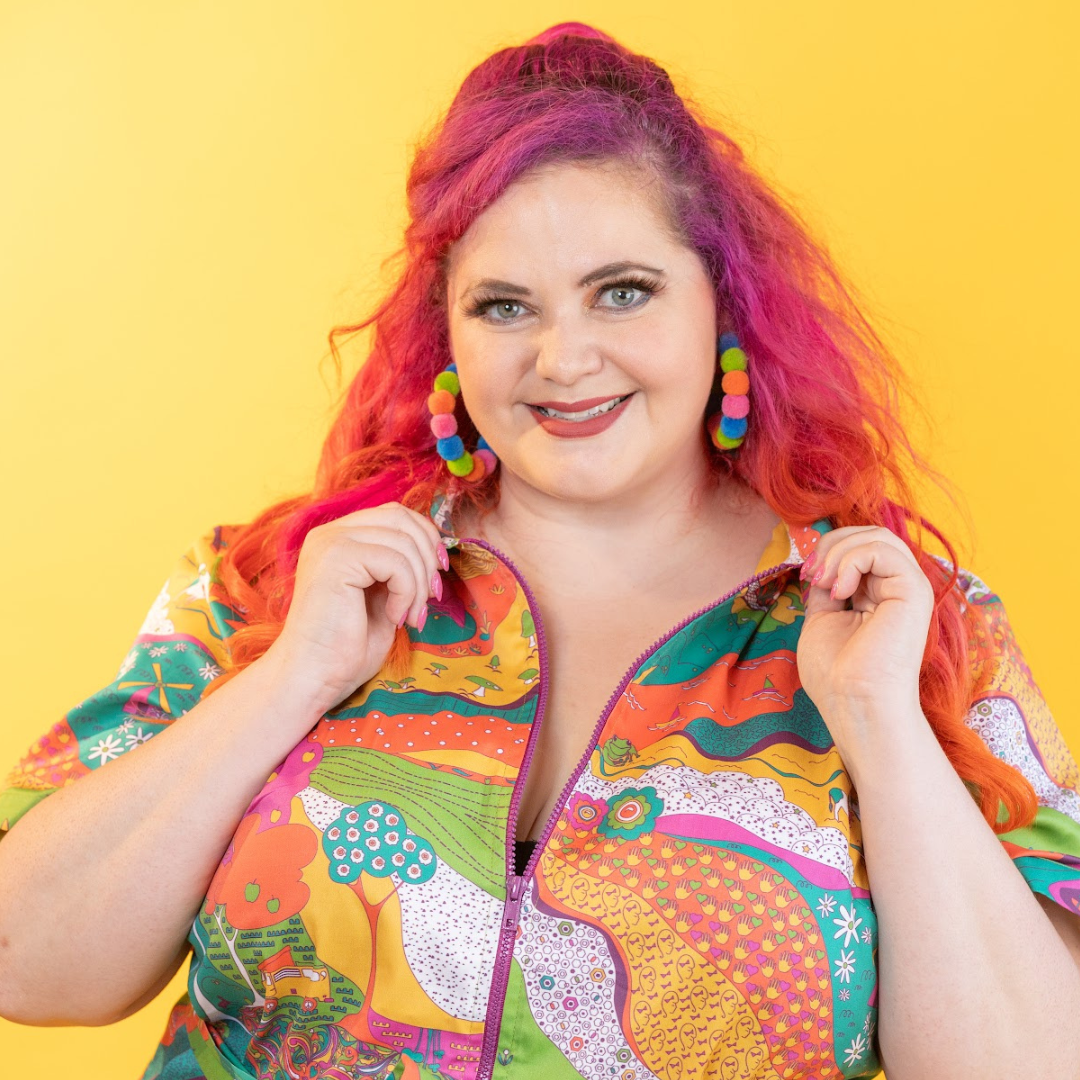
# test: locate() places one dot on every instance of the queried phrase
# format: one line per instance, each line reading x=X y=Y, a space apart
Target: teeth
x=587 y=414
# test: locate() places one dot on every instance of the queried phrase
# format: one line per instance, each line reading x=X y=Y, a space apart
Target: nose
x=567 y=353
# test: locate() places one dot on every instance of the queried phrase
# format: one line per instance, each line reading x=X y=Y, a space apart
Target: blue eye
x=483 y=304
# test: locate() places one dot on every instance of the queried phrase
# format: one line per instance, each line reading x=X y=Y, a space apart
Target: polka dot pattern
x=373 y=838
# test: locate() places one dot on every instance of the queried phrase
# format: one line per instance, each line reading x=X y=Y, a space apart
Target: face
x=584 y=336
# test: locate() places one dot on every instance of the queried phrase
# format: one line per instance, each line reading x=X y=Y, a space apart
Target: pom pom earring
x=727 y=428
x=448 y=444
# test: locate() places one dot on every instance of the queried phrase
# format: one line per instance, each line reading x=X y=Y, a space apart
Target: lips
x=575 y=406
x=577 y=419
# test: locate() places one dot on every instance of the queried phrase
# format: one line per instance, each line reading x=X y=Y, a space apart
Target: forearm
x=974 y=980
x=100 y=882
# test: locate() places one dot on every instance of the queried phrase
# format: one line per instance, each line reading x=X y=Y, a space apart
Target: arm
x=149 y=831
x=975 y=980
x=145 y=833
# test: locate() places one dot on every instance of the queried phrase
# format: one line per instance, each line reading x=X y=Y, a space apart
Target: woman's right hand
x=358 y=579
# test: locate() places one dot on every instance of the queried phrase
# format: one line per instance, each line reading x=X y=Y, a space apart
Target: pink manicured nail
x=832 y=591
x=817 y=577
x=444 y=559
x=436 y=585
x=404 y=616
x=808 y=564
x=423 y=619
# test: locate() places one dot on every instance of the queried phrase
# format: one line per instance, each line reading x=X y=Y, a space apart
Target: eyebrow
x=607 y=270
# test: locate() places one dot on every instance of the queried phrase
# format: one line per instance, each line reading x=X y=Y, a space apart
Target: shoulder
x=194 y=600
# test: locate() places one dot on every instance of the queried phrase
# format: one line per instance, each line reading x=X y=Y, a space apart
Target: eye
x=622 y=288
x=497 y=305
x=483 y=306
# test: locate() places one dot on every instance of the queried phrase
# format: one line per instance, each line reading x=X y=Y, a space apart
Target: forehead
x=565 y=218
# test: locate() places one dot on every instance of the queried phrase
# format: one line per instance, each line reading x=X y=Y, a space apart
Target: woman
x=574 y=751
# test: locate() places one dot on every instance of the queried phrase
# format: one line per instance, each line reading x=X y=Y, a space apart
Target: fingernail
x=436 y=585
x=808 y=564
x=423 y=619
x=817 y=577
x=404 y=616
x=832 y=591
x=444 y=559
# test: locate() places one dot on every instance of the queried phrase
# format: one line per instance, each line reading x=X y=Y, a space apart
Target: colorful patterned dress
x=697 y=906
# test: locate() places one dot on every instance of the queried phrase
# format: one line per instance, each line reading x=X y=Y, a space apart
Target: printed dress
x=697 y=906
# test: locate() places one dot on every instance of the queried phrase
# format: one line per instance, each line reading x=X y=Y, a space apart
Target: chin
x=598 y=484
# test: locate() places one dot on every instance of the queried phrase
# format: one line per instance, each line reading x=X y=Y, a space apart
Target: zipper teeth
x=541 y=640
x=515 y=798
x=506 y=942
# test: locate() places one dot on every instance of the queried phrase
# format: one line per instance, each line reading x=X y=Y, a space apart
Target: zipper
x=516 y=885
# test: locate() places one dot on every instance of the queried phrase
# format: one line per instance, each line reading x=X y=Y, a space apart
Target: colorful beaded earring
x=727 y=428
x=448 y=444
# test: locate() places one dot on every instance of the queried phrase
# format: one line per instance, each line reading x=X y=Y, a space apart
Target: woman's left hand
x=863 y=661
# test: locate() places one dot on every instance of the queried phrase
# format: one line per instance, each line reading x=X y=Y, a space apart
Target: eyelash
x=642 y=284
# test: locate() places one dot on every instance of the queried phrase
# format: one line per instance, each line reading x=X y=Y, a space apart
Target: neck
x=599 y=546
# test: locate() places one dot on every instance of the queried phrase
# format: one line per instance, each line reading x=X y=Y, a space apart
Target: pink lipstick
x=571 y=420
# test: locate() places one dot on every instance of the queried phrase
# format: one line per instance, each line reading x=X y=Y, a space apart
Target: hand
x=864 y=660
x=357 y=580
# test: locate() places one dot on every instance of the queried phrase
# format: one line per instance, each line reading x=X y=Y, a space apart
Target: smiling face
x=584 y=336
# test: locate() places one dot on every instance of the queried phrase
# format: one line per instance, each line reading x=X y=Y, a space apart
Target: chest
x=699 y=894
x=588 y=660
x=593 y=644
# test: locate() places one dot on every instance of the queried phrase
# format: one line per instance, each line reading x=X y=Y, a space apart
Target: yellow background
x=192 y=194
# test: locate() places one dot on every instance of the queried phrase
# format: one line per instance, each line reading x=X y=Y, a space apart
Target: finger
x=412 y=520
x=834 y=545
x=429 y=544
x=426 y=529
x=404 y=544
x=872 y=573
x=422 y=529
x=369 y=564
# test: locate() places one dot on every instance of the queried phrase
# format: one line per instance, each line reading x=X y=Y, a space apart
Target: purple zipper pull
x=514 y=895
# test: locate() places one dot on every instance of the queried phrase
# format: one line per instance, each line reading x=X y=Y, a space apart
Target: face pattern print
x=698 y=906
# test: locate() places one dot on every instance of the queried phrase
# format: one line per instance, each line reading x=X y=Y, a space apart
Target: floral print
x=586 y=813
x=631 y=813
x=699 y=906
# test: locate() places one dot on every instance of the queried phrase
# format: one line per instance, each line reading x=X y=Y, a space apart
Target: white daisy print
x=826 y=905
x=157 y=620
x=845 y=966
x=158 y=650
x=849 y=925
x=211 y=671
x=845 y=994
x=128 y=724
x=136 y=738
x=180 y=646
x=128 y=664
x=867 y=935
x=107 y=749
x=855 y=1050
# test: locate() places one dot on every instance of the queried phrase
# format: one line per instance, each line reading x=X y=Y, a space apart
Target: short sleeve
x=180 y=649
x=1013 y=719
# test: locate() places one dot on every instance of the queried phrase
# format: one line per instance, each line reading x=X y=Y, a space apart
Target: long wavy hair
x=824 y=439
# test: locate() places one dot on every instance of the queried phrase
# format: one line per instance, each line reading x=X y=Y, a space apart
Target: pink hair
x=823 y=440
